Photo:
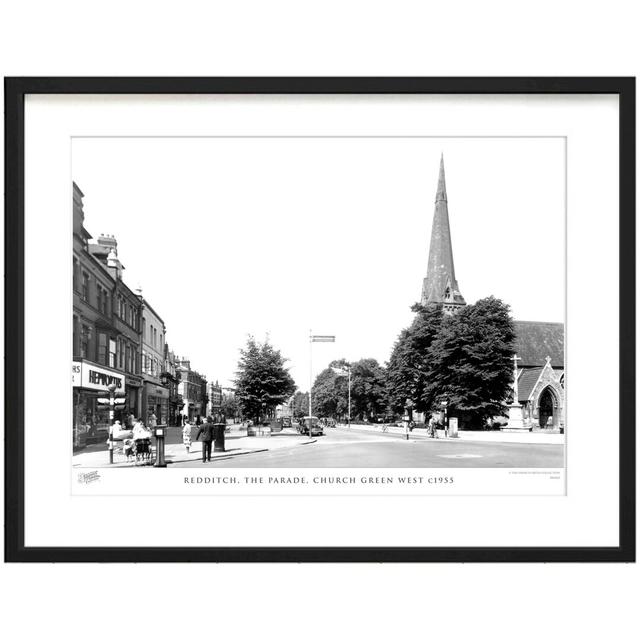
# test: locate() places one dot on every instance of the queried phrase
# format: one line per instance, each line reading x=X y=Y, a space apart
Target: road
x=343 y=448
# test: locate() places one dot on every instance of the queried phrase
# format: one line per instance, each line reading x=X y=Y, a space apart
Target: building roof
x=537 y=340
x=527 y=379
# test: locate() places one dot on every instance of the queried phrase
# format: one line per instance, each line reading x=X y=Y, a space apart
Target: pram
x=142 y=448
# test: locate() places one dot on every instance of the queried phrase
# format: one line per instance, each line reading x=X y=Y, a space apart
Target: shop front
x=155 y=398
x=133 y=389
x=90 y=417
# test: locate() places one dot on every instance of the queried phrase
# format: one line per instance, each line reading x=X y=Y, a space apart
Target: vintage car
x=310 y=426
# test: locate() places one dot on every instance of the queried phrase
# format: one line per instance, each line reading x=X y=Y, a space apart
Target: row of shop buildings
x=120 y=346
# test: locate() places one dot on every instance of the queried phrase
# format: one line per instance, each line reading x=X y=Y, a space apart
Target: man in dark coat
x=207 y=438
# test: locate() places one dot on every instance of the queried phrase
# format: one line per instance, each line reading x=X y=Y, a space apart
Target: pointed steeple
x=441 y=193
x=440 y=286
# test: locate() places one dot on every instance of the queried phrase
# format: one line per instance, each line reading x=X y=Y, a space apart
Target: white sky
x=237 y=236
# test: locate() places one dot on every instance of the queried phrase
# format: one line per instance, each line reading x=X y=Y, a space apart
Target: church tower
x=440 y=286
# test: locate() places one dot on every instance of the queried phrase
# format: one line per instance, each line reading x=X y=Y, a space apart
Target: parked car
x=311 y=425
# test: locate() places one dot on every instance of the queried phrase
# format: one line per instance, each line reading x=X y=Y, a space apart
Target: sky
x=277 y=237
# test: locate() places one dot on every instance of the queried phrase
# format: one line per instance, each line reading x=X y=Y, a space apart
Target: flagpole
x=349 y=409
x=310 y=372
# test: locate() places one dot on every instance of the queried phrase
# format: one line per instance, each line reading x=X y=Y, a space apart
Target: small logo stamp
x=88 y=477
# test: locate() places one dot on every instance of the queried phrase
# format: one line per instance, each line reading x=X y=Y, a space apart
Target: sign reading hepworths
x=91 y=376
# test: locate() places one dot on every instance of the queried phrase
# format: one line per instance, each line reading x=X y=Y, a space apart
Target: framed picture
x=320 y=319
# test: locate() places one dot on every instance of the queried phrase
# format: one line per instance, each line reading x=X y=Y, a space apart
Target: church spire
x=440 y=286
x=441 y=193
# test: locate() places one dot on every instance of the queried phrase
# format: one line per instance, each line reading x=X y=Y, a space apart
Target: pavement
x=534 y=437
x=237 y=443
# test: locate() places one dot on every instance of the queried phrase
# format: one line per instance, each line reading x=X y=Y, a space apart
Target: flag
x=323 y=338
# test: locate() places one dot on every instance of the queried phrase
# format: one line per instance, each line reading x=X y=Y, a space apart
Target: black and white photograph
x=351 y=316
x=318 y=303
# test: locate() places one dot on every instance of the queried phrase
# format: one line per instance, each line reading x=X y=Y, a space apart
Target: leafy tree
x=368 y=388
x=330 y=392
x=231 y=407
x=409 y=365
x=469 y=362
x=262 y=381
x=300 y=404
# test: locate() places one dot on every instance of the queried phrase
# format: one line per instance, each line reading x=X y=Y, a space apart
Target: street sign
x=323 y=338
x=116 y=401
x=339 y=372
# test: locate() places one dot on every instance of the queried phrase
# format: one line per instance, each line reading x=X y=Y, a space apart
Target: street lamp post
x=112 y=403
x=445 y=403
x=159 y=431
x=349 y=401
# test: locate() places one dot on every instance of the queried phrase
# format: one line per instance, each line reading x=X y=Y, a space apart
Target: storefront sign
x=91 y=376
x=76 y=374
x=158 y=392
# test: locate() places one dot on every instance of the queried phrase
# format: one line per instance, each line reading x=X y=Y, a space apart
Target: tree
x=409 y=365
x=470 y=363
x=230 y=407
x=262 y=381
x=300 y=404
x=329 y=392
x=368 y=389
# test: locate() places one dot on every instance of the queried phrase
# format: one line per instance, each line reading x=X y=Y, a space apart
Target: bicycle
x=384 y=427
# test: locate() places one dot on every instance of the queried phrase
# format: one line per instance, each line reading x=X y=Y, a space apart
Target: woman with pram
x=141 y=441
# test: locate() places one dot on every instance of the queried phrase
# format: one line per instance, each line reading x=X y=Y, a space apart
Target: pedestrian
x=131 y=420
x=153 y=421
x=186 y=436
x=198 y=420
x=207 y=439
x=432 y=427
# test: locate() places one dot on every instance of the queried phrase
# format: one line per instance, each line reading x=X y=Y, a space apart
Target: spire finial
x=441 y=193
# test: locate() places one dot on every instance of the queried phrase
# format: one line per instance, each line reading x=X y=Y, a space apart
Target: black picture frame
x=15 y=91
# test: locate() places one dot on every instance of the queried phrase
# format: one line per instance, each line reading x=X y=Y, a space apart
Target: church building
x=538 y=347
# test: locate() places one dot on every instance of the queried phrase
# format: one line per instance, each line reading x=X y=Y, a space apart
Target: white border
x=53 y=517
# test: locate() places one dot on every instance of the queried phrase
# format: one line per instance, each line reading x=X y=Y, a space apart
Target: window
x=76 y=275
x=76 y=337
x=84 y=341
x=120 y=354
x=112 y=353
x=127 y=361
x=102 y=299
x=134 y=368
x=85 y=286
x=102 y=348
